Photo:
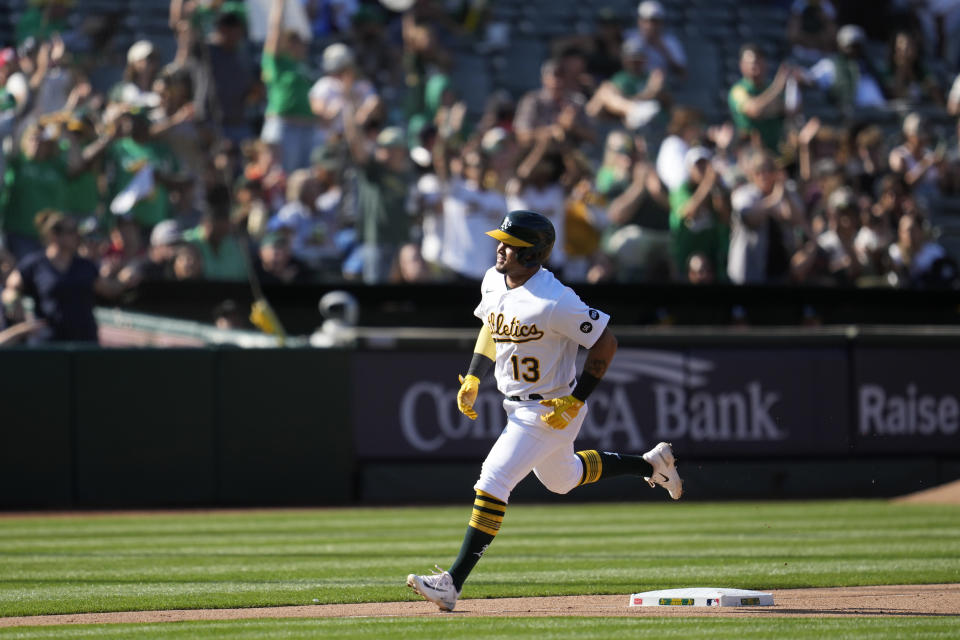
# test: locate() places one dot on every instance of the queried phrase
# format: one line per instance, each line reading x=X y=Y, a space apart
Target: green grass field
x=84 y=564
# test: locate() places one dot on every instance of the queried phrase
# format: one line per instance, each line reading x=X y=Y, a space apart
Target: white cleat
x=664 y=470
x=437 y=588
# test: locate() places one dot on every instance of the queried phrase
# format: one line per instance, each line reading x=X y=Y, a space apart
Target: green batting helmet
x=532 y=233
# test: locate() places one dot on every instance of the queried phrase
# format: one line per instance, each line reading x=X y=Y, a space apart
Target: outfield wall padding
x=777 y=417
x=36 y=445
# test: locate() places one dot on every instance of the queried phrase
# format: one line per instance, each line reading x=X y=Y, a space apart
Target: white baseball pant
x=526 y=444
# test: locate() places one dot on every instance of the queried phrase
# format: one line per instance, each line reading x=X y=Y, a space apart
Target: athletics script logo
x=512 y=331
x=673 y=395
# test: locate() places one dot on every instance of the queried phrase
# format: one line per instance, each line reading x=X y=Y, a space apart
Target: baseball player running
x=532 y=327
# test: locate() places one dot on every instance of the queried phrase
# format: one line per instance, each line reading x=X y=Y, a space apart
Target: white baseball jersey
x=537 y=328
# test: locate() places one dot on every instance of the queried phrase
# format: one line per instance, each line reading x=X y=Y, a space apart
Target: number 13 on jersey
x=527 y=368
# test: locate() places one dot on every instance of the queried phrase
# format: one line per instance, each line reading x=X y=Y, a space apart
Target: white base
x=701 y=597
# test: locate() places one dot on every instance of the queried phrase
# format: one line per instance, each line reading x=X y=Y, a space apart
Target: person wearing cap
x=289 y=121
x=758 y=108
x=142 y=68
x=699 y=214
x=663 y=49
x=383 y=186
x=850 y=76
x=632 y=93
x=338 y=84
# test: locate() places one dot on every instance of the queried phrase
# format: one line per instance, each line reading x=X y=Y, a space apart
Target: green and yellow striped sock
x=604 y=464
x=484 y=524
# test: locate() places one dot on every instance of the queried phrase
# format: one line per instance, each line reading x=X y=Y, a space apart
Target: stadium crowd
x=342 y=151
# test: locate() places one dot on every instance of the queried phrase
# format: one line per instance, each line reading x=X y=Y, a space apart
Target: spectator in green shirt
x=383 y=187
x=223 y=252
x=35 y=179
x=699 y=215
x=43 y=19
x=632 y=94
x=757 y=108
x=290 y=122
x=132 y=152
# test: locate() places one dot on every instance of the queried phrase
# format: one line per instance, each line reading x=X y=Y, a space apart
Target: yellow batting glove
x=565 y=409
x=468 y=395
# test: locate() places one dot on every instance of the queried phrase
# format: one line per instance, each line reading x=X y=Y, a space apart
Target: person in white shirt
x=533 y=326
x=328 y=94
x=664 y=50
x=469 y=208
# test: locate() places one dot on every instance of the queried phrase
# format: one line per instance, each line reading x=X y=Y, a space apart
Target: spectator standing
x=469 y=208
x=757 y=108
x=62 y=284
x=134 y=151
x=232 y=72
x=35 y=180
x=760 y=209
x=174 y=123
x=289 y=121
x=699 y=215
x=328 y=95
x=383 y=186
x=664 y=50
x=136 y=88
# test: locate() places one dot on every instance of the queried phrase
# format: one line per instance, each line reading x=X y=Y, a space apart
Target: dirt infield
x=944 y=494
x=913 y=600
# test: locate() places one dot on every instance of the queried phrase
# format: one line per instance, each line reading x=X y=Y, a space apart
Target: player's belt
x=532 y=396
